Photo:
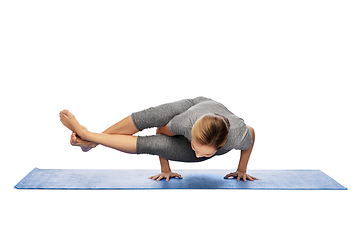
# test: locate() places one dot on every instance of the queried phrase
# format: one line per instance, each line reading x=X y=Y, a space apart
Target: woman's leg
x=152 y=117
x=125 y=143
x=124 y=127
x=176 y=148
x=160 y=115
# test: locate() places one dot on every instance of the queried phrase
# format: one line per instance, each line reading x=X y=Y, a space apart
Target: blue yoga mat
x=192 y=179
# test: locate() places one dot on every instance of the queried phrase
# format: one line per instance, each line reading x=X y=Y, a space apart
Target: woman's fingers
x=253 y=178
x=244 y=178
x=236 y=175
x=231 y=175
x=240 y=176
x=154 y=177
x=178 y=175
x=167 y=176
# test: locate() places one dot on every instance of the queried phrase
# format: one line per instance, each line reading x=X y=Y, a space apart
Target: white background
x=289 y=68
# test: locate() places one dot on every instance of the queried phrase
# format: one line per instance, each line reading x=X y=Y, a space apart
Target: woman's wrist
x=165 y=169
x=164 y=163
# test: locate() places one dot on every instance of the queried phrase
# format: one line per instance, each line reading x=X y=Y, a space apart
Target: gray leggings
x=176 y=148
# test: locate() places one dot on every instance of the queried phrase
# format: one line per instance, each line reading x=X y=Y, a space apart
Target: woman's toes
x=69 y=121
x=73 y=140
x=65 y=114
x=62 y=113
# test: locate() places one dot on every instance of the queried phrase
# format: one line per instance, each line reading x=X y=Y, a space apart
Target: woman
x=189 y=130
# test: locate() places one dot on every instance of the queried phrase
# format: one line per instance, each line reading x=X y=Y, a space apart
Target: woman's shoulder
x=239 y=136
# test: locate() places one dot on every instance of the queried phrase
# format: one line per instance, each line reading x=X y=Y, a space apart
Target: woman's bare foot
x=86 y=146
x=68 y=120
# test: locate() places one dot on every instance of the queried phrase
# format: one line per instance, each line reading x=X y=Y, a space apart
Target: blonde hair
x=212 y=130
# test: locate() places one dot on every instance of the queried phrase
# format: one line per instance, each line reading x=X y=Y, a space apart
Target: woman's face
x=202 y=150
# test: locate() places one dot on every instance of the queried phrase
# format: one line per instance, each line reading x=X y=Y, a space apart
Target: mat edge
x=17 y=186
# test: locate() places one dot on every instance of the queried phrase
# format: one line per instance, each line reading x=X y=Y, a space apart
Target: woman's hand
x=166 y=175
x=241 y=175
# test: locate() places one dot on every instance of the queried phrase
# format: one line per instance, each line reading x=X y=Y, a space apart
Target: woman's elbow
x=252 y=133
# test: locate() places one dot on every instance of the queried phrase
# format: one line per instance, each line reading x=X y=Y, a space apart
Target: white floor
x=289 y=69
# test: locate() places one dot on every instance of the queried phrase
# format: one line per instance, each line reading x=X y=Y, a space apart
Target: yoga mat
x=192 y=179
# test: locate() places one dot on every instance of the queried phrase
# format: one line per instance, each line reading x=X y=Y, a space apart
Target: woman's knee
x=159 y=130
x=164 y=130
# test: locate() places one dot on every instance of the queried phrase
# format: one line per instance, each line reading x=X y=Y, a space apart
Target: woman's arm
x=245 y=154
x=164 y=163
x=244 y=159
